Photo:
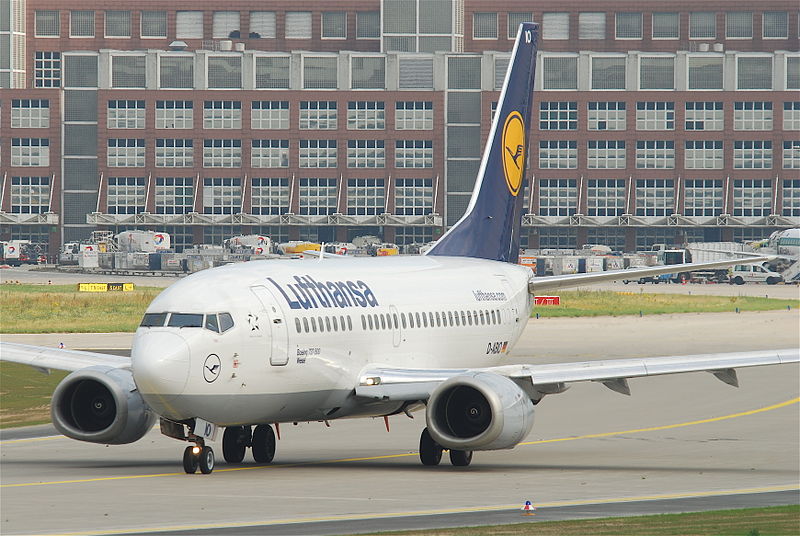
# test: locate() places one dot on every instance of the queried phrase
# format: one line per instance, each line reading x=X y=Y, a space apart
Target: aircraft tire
x=206 y=460
x=190 y=460
x=460 y=458
x=430 y=452
x=233 y=447
x=263 y=443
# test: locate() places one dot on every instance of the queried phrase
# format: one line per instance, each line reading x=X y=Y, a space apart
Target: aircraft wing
x=538 y=380
x=44 y=358
x=537 y=285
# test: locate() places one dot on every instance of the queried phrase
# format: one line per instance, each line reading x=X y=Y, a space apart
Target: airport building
x=655 y=122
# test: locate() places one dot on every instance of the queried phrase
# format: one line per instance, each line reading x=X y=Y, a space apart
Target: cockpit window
x=211 y=323
x=225 y=322
x=185 y=320
x=153 y=320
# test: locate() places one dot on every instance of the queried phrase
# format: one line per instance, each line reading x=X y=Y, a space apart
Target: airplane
x=248 y=346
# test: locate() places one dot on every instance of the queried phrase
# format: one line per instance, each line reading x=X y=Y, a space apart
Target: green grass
x=25 y=394
x=771 y=521
x=610 y=303
x=62 y=309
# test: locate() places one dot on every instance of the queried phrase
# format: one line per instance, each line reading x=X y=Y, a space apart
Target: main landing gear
x=430 y=452
x=236 y=439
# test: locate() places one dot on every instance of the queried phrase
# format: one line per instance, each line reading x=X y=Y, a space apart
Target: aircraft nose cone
x=160 y=362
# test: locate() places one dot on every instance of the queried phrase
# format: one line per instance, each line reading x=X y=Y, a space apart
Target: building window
x=791 y=115
x=775 y=24
x=592 y=25
x=126 y=114
x=702 y=25
x=752 y=115
x=756 y=154
x=791 y=197
x=222 y=153
x=175 y=114
x=607 y=115
x=334 y=25
x=222 y=114
x=174 y=195
x=484 y=26
x=118 y=24
x=125 y=152
x=366 y=197
x=606 y=197
x=655 y=154
x=270 y=196
x=176 y=72
x=752 y=197
x=791 y=154
x=272 y=72
x=705 y=72
x=562 y=154
x=30 y=113
x=226 y=24
x=754 y=72
x=319 y=72
x=608 y=72
x=557 y=197
x=222 y=196
x=605 y=154
x=47 y=23
x=628 y=26
x=608 y=236
x=413 y=235
x=665 y=26
x=318 y=197
x=702 y=197
x=269 y=154
x=653 y=115
x=703 y=155
x=647 y=237
x=298 y=25
x=739 y=25
x=154 y=24
x=30 y=195
x=272 y=115
x=368 y=72
x=318 y=115
x=413 y=154
x=656 y=72
x=558 y=238
x=560 y=72
x=413 y=197
x=126 y=195
x=555 y=26
x=47 y=69
x=366 y=115
x=655 y=197
x=515 y=19
x=558 y=115
x=318 y=153
x=189 y=25
x=174 y=153
x=81 y=24
x=413 y=115
x=704 y=116
x=224 y=72
x=30 y=152
x=366 y=154
x=128 y=72
x=262 y=25
x=368 y=25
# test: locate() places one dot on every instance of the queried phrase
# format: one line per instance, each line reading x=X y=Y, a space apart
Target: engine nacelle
x=101 y=405
x=479 y=411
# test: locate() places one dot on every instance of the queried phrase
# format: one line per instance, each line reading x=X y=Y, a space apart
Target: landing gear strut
x=430 y=452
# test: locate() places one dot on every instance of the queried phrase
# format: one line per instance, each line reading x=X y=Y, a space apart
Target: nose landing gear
x=198 y=456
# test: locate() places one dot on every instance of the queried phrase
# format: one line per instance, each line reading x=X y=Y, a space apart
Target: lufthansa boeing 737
x=249 y=346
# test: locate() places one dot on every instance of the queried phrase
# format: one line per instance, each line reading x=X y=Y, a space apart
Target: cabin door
x=278 y=350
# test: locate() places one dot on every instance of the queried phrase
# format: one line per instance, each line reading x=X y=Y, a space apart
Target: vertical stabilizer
x=491 y=226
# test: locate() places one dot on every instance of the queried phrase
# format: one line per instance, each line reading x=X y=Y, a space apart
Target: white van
x=744 y=273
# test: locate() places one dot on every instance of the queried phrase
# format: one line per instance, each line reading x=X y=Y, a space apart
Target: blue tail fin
x=491 y=226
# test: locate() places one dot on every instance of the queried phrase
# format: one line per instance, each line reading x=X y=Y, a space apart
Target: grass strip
x=769 y=521
x=25 y=394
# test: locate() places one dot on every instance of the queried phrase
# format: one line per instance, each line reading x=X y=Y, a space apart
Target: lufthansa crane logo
x=514 y=151
x=211 y=368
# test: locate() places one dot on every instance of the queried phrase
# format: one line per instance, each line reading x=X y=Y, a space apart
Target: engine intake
x=101 y=405
x=479 y=411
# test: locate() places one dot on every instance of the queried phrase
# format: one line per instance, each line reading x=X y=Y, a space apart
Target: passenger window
x=349 y=323
x=424 y=319
x=211 y=323
x=335 y=324
x=305 y=324
x=225 y=322
x=328 y=323
x=469 y=317
x=153 y=320
x=363 y=324
x=455 y=317
x=383 y=322
x=403 y=319
x=438 y=320
x=450 y=318
x=419 y=324
x=396 y=323
x=371 y=326
x=185 y=320
x=494 y=319
x=481 y=317
x=297 y=325
x=313 y=324
x=463 y=319
x=321 y=325
x=430 y=318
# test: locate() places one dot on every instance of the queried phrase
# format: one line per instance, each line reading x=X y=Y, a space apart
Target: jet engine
x=479 y=411
x=101 y=405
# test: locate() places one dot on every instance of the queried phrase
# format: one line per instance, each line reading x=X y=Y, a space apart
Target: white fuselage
x=305 y=330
